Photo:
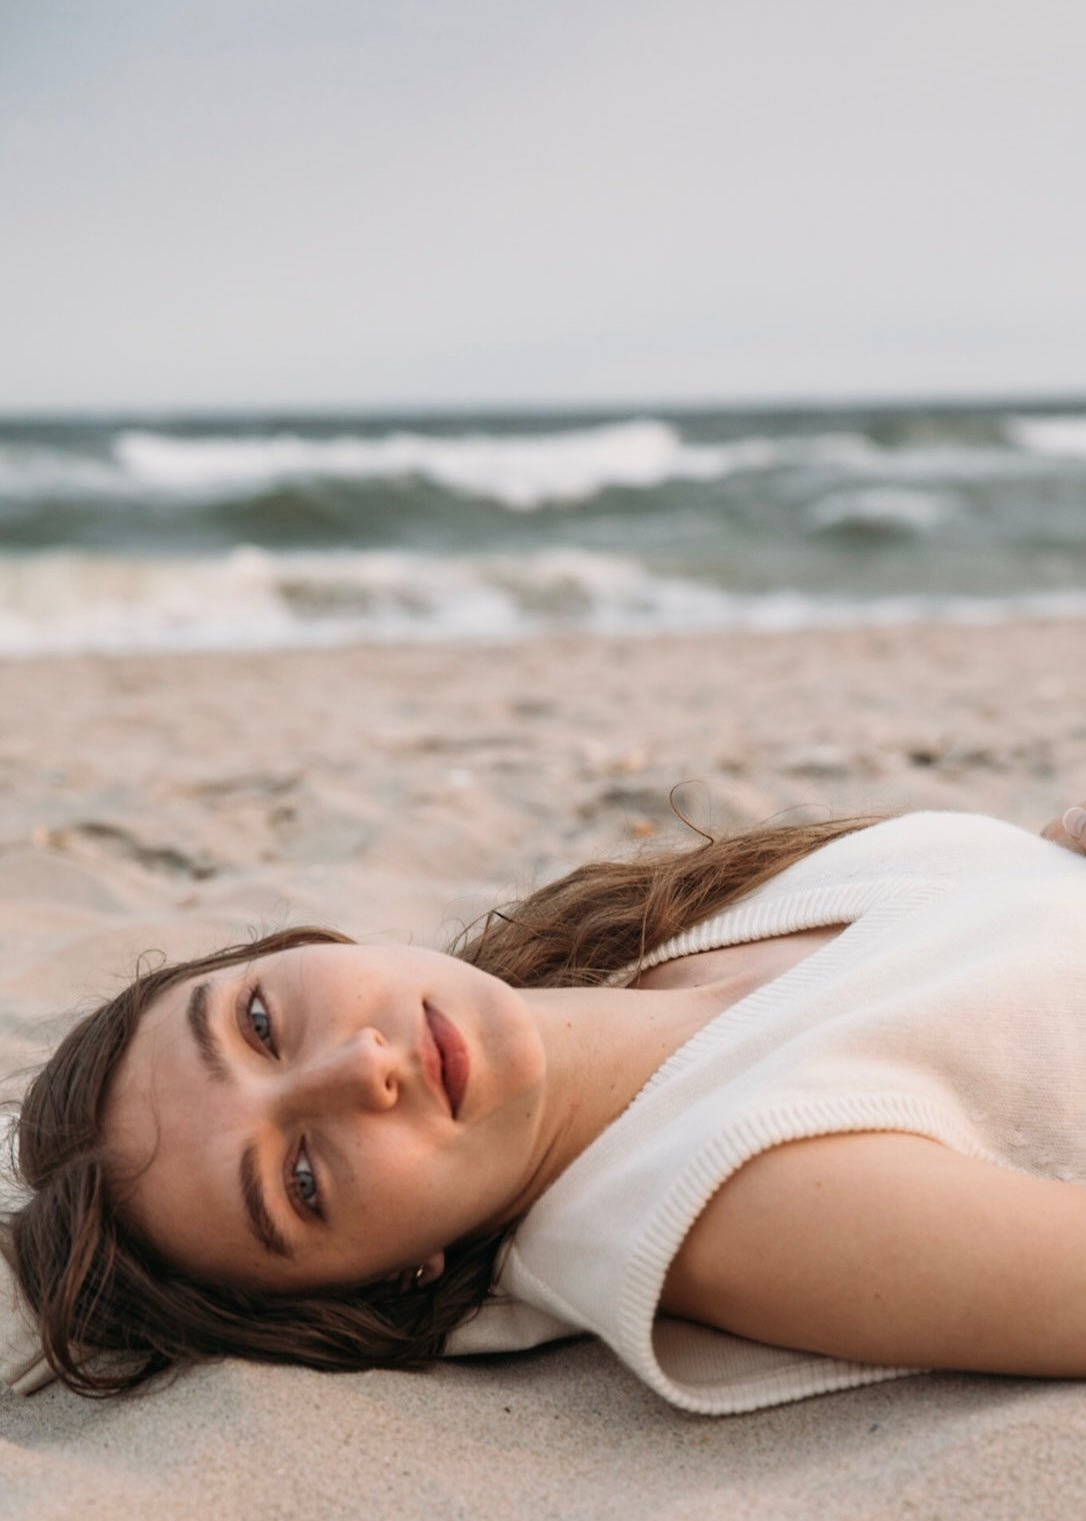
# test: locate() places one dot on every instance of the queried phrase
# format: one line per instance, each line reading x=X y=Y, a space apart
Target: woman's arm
x=891 y=1248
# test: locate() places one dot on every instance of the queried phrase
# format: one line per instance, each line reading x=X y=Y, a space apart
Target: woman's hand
x=1069 y=830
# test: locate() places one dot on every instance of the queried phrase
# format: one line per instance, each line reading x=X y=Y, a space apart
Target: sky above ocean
x=217 y=203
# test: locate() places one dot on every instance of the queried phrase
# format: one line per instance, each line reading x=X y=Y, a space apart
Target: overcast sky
x=387 y=202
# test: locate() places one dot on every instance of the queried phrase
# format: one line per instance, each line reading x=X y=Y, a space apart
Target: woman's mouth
x=455 y=1064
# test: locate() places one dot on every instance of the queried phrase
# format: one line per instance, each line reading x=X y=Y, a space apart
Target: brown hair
x=96 y=1287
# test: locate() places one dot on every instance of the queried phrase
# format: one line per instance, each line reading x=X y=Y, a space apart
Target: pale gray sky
x=375 y=202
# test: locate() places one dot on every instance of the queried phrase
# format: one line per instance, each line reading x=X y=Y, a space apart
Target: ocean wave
x=881 y=510
x=32 y=473
x=165 y=472
x=1058 y=436
x=249 y=599
x=520 y=471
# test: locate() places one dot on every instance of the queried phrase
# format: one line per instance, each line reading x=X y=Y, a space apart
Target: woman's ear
x=431 y=1270
x=418 y=1277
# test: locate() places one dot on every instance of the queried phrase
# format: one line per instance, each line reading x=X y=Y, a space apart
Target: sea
x=147 y=533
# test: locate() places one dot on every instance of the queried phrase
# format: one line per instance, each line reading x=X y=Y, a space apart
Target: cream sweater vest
x=953 y=1007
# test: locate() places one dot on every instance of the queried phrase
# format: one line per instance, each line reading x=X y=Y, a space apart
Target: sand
x=171 y=802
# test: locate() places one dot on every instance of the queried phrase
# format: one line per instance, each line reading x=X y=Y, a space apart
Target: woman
x=785 y=1113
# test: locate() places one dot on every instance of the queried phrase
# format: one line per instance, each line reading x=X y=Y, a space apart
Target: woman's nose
x=362 y=1072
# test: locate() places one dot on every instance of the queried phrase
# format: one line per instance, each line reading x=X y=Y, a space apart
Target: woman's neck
x=603 y=1044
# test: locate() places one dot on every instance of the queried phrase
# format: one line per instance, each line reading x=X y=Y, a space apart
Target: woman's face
x=328 y=1114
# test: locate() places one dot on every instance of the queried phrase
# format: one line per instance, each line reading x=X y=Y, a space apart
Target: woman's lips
x=455 y=1064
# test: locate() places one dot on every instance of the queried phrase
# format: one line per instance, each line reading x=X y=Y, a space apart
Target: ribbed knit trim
x=765 y=915
x=806 y=1373
x=797 y=1374
x=861 y=906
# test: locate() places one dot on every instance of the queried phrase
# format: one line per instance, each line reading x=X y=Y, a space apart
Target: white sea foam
x=522 y=471
x=1062 y=435
x=956 y=462
x=889 y=508
x=29 y=471
x=250 y=599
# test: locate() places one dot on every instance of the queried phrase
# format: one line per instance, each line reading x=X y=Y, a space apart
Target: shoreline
x=769 y=616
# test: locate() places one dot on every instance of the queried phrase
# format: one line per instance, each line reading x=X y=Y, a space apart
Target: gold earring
x=418 y=1275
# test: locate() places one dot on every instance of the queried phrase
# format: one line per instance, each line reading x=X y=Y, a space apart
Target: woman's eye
x=259 y=1018
x=305 y=1182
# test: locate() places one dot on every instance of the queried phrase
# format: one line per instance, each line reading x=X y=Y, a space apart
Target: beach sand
x=171 y=802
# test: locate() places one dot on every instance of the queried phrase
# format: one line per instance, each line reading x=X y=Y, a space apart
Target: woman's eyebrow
x=260 y=1221
x=198 y=1015
x=257 y=1214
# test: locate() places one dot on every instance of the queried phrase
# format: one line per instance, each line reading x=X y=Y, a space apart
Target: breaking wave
x=522 y=471
x=250 y=599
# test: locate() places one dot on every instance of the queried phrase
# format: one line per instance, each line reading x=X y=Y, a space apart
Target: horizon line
x=845 y=401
